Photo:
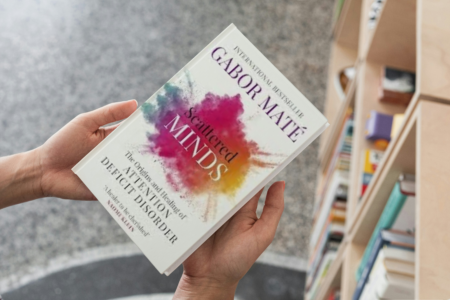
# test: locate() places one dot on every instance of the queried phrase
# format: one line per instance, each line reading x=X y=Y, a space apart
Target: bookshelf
x=410 y=35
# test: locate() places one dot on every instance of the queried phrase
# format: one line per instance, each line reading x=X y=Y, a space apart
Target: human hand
x=47 y=170
x=214 y=270
x=70 y=144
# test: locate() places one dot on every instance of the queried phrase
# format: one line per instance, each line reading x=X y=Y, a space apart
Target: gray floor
x=62 y=58
x=122 y=277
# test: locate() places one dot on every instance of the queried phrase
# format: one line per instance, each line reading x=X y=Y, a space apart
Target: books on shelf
x=198 y=149
x=392 y=275
x=330 y=238
x=397 y=86
x=393 y=238
x=330 y=209
x=340 y=159
x=337 y=191
x=398 y=214
x=371 y=160
x=325 y=263
x=328 y=231
x=378 y=126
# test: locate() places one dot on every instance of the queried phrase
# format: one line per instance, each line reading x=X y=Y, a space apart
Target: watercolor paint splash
x=223 y=114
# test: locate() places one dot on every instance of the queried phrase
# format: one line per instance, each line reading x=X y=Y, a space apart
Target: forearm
x=19 y=178
x=203 y=289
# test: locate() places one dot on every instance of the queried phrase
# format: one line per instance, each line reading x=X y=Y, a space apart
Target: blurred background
x=61 y=58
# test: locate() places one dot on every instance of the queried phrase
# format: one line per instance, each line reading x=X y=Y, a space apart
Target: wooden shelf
x=346 y=30
x=433 y=205
x=368 y=84
x=341 y=57
x=398 y=159
x=393 y=42
x=433 y=45
x=333 y=278
x=410 y=35
x=335 y=130
x=417 y=150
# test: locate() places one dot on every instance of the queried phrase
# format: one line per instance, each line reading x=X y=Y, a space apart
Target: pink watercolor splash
x=223 y=114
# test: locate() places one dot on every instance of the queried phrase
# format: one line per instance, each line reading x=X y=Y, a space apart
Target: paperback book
x=198 y=149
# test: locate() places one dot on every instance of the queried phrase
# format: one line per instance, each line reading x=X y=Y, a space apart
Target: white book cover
x=195 y=152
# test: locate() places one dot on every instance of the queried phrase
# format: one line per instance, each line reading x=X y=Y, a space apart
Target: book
x=338 y=182
x=408 y=184
x=406 y=218
x=392 y=275
x=333 y=232
x=378 y=126
x=198 y=149
x=398 y=86
x=385 y=237
x=397 y=121
x=394 y=286
x=387 y=219
x=327 y=259
x=398 y=260
x=370 y=161
x=339 y=161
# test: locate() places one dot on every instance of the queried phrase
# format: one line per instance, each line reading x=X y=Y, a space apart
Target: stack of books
x=392 y=274
x=330 y=211
x=387 y=267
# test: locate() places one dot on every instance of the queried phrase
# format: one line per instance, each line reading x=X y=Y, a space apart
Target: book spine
x=319 y=251
x=325 y=211
x=387 y=219
x=346 y=124
x=368 y=267
x=324 y=234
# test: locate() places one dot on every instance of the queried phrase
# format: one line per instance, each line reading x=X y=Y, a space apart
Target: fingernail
x=284 y=185
x=137 y=104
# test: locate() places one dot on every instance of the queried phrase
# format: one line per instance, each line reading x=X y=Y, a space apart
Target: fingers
x=252 y=204
x=266 y=226
x=109 y=113
x=110 y=129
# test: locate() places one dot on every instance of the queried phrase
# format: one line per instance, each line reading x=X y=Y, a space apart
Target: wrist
x=20 y=179
x=204 y=288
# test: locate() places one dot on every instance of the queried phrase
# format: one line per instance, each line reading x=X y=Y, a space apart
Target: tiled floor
x=62 y=58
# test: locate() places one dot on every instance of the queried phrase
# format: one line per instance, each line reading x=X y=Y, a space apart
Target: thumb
x=266 y=226
x=109 y=113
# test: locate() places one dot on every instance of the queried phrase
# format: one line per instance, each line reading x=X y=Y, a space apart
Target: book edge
x=131 y=118
x=257 y=188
